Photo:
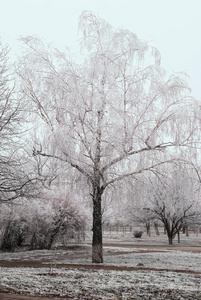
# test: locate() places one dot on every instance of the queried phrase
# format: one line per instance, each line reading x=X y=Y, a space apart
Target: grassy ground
x=145 y=268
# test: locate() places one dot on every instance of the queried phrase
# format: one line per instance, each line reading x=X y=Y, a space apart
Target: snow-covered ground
x=74 y=283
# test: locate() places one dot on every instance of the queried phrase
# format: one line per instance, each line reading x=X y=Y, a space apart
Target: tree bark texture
x=97 y=242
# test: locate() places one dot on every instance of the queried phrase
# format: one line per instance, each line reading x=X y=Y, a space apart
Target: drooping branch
x=134 y=152
x=67 y=160
x=130 y=174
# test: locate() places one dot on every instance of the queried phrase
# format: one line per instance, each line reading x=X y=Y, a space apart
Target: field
x=145 y=268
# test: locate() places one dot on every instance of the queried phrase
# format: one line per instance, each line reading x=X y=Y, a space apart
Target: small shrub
x=137 y=233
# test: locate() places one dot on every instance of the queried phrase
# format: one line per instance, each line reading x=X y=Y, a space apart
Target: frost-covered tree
x=58 y=218
x=111 y=114
x=16 y=174
x=172 y=199
x=55 y=217
x=136 y=207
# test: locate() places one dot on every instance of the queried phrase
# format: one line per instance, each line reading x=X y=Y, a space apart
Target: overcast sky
x=173 y=26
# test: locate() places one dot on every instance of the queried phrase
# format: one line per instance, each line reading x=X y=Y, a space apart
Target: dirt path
x=8 y=294
x=37 y=264
x=151 y=248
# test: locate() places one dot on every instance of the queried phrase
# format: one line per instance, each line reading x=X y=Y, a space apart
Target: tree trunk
x=187 y=233
x=148 y=227
x=169 y=230
x=178 y=236
x=156 y=228
x=97 y=242
x=170 y=238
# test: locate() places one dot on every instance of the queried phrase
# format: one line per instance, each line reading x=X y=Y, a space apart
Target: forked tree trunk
x=97 y=242
x=169 y=230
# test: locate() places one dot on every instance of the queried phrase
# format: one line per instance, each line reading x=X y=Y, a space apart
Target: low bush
x=137 y=233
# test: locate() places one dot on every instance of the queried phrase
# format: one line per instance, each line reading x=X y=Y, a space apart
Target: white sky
x=173 y=26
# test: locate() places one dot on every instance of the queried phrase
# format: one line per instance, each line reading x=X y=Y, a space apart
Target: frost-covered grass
x=112 y=284
x=100 y=283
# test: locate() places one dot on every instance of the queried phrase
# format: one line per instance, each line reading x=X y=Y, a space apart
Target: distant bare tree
x=112 y=116
x=173 y=200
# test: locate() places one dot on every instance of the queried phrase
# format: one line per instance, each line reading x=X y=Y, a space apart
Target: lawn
x=145 y=268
